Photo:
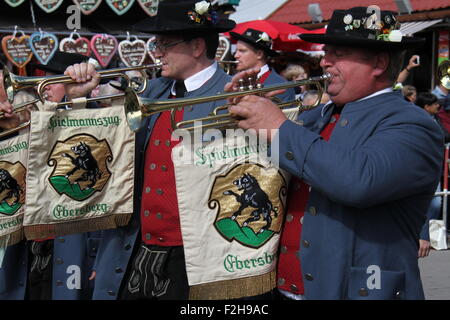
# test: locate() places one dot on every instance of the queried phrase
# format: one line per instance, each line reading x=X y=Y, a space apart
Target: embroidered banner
x=13 y=169
x=81 y=173
x=231 y=224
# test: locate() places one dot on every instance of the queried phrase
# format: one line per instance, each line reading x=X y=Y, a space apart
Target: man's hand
x=86 y=79
x=256 y=112
x=424 y=248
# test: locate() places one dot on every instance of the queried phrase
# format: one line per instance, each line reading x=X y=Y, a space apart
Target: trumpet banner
x=231 y=201
x=13 y=169
x=81 y=172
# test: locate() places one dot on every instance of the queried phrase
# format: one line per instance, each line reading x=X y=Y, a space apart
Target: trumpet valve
x=241 y=85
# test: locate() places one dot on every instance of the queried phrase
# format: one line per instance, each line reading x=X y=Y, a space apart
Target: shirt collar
x=263 y=70
x=329 y=103
x=197 y=80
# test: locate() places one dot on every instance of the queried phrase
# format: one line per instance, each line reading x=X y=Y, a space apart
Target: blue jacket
x=73 y=259
x=371 y=187
x=118 y=244
x=275 y=78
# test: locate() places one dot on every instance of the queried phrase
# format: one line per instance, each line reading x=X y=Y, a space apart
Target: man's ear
x=198 y=47
x=260 y=54
x=381 y=63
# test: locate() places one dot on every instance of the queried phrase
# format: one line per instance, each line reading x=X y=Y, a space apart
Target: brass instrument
x=136 y=108
x=227 y=66
x=14 y=83
x=444 y=74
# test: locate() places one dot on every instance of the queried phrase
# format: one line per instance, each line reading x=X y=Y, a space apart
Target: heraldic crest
x=12 y=187
x=80 y=166
x=249 y=202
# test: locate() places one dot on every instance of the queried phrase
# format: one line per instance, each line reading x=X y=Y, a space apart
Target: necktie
x=180 y=88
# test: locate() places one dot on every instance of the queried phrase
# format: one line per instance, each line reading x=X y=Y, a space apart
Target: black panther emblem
x=86 y=161
x=252 y=196
x=7 y=182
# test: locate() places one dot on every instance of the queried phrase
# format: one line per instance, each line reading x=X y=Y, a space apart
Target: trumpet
x=227 y=66
x=14 y=83
x=137 y=109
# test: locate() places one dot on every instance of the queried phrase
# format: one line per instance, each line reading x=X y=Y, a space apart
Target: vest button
x=289 y=217
x=152 y=166
x=283 y=249
x=281 y=281
x=157 y=142
x=148 y=189
x=163 y=168
x=146 y=213
x=363 y=292
x=159 y=215
x=148 y=236
x=159 y=191
x=168 y=143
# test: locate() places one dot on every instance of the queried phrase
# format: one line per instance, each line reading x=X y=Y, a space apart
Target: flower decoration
x=263 y=37
x=203 y=14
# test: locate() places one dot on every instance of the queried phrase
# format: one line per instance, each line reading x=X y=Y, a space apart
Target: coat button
x=61 y=240
x=306 y=243
x=398 y=295
x=309 y=277
x=344 y=122
x=281 y=281
x=289 y=217
x=363 y=292
x=146 y=213
x=289 y=155
x=127 y=247
x=94 y=249
x=293 y=288
x=21 y=283
x=59 y=283
x=283 y=249
x=111 y=293
x=301 y=220
x=312 y=210
x=148 y=236
x=118 y=270
x=59 y=261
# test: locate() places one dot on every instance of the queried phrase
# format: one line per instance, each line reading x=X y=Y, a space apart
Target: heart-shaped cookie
x=150 y=53
x=87 y=7
x=120 y=6
x=80 y=45
x=104 y=47
x=43 y=45
x=49 y=5
x=14 y=3
x=149 y=6
x=223 y=49
x=132 y=53
x=17 y=49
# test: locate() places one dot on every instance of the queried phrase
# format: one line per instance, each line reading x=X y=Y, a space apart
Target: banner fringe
x=234 y=289
x=77 y=226
x=11 y=238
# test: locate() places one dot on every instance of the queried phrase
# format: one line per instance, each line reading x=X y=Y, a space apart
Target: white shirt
x=197 y=80
x=263 y=70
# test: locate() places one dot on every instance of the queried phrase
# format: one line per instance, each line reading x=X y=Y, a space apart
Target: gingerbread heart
x=43 y=45
x=17 y=49
x=14 y=3
x=149 y=6
x=132 y=53
x=104 y=47
x=120 y=6
x=87 y=7
x=223 y=49
x=80 y=45
x=49 y=5
x=150 y=53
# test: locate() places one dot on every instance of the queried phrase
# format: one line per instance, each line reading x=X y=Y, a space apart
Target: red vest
x=289 y=269
x=160 y=222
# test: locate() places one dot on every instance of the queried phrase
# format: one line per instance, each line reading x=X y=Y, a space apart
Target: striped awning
x=409 y=28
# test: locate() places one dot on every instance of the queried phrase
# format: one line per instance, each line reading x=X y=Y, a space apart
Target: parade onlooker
x=410 y=93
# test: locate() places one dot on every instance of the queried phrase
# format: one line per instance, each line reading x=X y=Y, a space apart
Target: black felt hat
x=258 y=39
x=175 y=17
x=60 y=61
x=365 y=27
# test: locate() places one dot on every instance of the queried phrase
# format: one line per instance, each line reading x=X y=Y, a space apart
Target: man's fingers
x=274 y=93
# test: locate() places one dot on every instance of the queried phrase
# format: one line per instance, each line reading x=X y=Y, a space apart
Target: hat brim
x=406 y=43
x=150 y=25
x=238 y=36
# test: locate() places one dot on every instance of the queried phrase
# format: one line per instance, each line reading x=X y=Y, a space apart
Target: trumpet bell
x=132 y=109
